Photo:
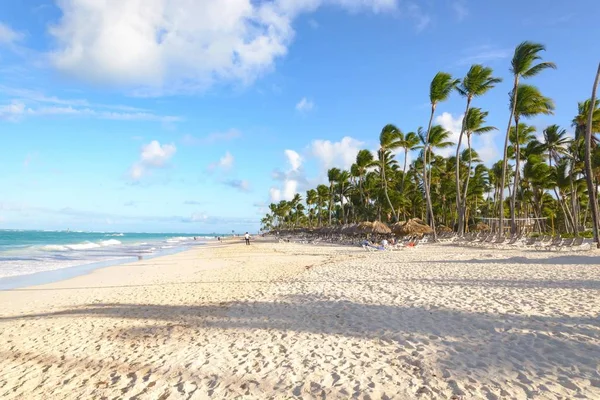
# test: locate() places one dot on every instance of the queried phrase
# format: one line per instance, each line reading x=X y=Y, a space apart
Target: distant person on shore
x=247 y=238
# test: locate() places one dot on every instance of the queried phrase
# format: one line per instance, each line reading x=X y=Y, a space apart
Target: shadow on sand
x=467 y=343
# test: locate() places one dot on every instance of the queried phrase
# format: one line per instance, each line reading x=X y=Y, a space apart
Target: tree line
x=553 y=180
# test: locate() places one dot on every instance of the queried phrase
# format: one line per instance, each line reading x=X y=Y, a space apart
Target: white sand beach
x=282 y=320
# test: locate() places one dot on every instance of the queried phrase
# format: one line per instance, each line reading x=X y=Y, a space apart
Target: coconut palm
x=529 y=102
x=523 y=65
x=477 y=82
x=390 y=139
x=581 y=120
x=409 y=142
x=311 y=200
x=364 y=161
x=332 y=176
x=439 y=90
x=343 y=180
x=322 y=198
x=474 y=123
x=588 y=162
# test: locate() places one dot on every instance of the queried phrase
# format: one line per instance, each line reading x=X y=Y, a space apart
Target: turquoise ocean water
x=32 y=252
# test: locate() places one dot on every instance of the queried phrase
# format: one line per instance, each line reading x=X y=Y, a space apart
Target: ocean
x=24 y=253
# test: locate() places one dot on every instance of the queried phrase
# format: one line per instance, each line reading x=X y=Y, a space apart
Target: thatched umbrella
x=444 y=229
x=415 y=227
x=480 y=227
x=348 y=229
x=380 y=228
x=397 y=227
x=364 y=227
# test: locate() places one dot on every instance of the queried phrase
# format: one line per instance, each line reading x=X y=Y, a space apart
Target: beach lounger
x=554 y=243
x=578 y=242
x=565 y=244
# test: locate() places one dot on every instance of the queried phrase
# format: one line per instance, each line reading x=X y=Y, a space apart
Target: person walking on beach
x=247 y=238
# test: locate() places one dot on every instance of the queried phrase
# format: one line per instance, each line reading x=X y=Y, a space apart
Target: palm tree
x=588 y=163
x=580 y=121
x=473 y=123
x=343 y=181
x=322 y=198
x=311 y=199
x=555 y=143
x=529 y=102
x=476 y=83
x=410 y=142
x=522 y=66
x=390 y=139
x=439 y=90
x=332 y=176
x=364 y=161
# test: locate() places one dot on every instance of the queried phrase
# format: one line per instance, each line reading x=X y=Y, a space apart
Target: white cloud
x=152 y=155
x=181 y=45
x=294 y=159
x=304 y=105
x=487 y=147
x=460 y=8
x=32 y=103
x=483 y=54
x=454 y=125
x=224 y=163
x=241 y=185
x=8 y=36
x=336 y=154
x=12 y=112
x=275 y=195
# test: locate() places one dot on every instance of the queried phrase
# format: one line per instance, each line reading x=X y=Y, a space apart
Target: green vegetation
x=542 y=178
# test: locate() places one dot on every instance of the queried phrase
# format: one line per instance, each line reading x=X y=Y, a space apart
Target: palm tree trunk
x=425 y=183
x=459 y=201
x=463 y=206
x=505 y=157
x=382 y=157
x=588 y=164
x=513 y=203
x=574 y=200
x=331 y=195
x=404 y=170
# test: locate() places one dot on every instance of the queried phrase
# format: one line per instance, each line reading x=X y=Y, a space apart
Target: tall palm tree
x=410 y=142
x=390 y=139
x=555 y=143
x=343 y=182
x=439 y=90
x=473 y=123
x=588 y=163
x=529 y=102
x=332 y=176
x=477 y=82
x=364 y=161
x=322 y=198
x=523 y=65
x=311 y=200
x=580 y=121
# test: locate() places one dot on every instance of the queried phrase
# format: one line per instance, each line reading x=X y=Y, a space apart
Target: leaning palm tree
x=529 y=102
x=522 y=66
x=580 y=121
x=439 y=90
x=389 y=139
x=476 y=83
x=474 y=123
x=588 y=163
x=410 y=142
x=332 y=176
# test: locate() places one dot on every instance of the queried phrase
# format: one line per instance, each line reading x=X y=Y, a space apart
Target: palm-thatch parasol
x=397 y=227
x=415 y=227
x=364 y=227
x=380 y=228
x=444 y=229
x=480 y=227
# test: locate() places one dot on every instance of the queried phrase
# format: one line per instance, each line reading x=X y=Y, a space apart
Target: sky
x=192 y=116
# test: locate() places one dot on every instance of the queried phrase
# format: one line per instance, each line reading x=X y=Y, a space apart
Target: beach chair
x=577 y=243
x=565 y=244
x=499 y=241
x=554 y=243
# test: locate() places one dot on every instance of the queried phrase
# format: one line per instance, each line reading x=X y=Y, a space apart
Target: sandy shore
x=280 y=320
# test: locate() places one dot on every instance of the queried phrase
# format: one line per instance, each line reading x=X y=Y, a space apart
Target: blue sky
x=170 y=115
